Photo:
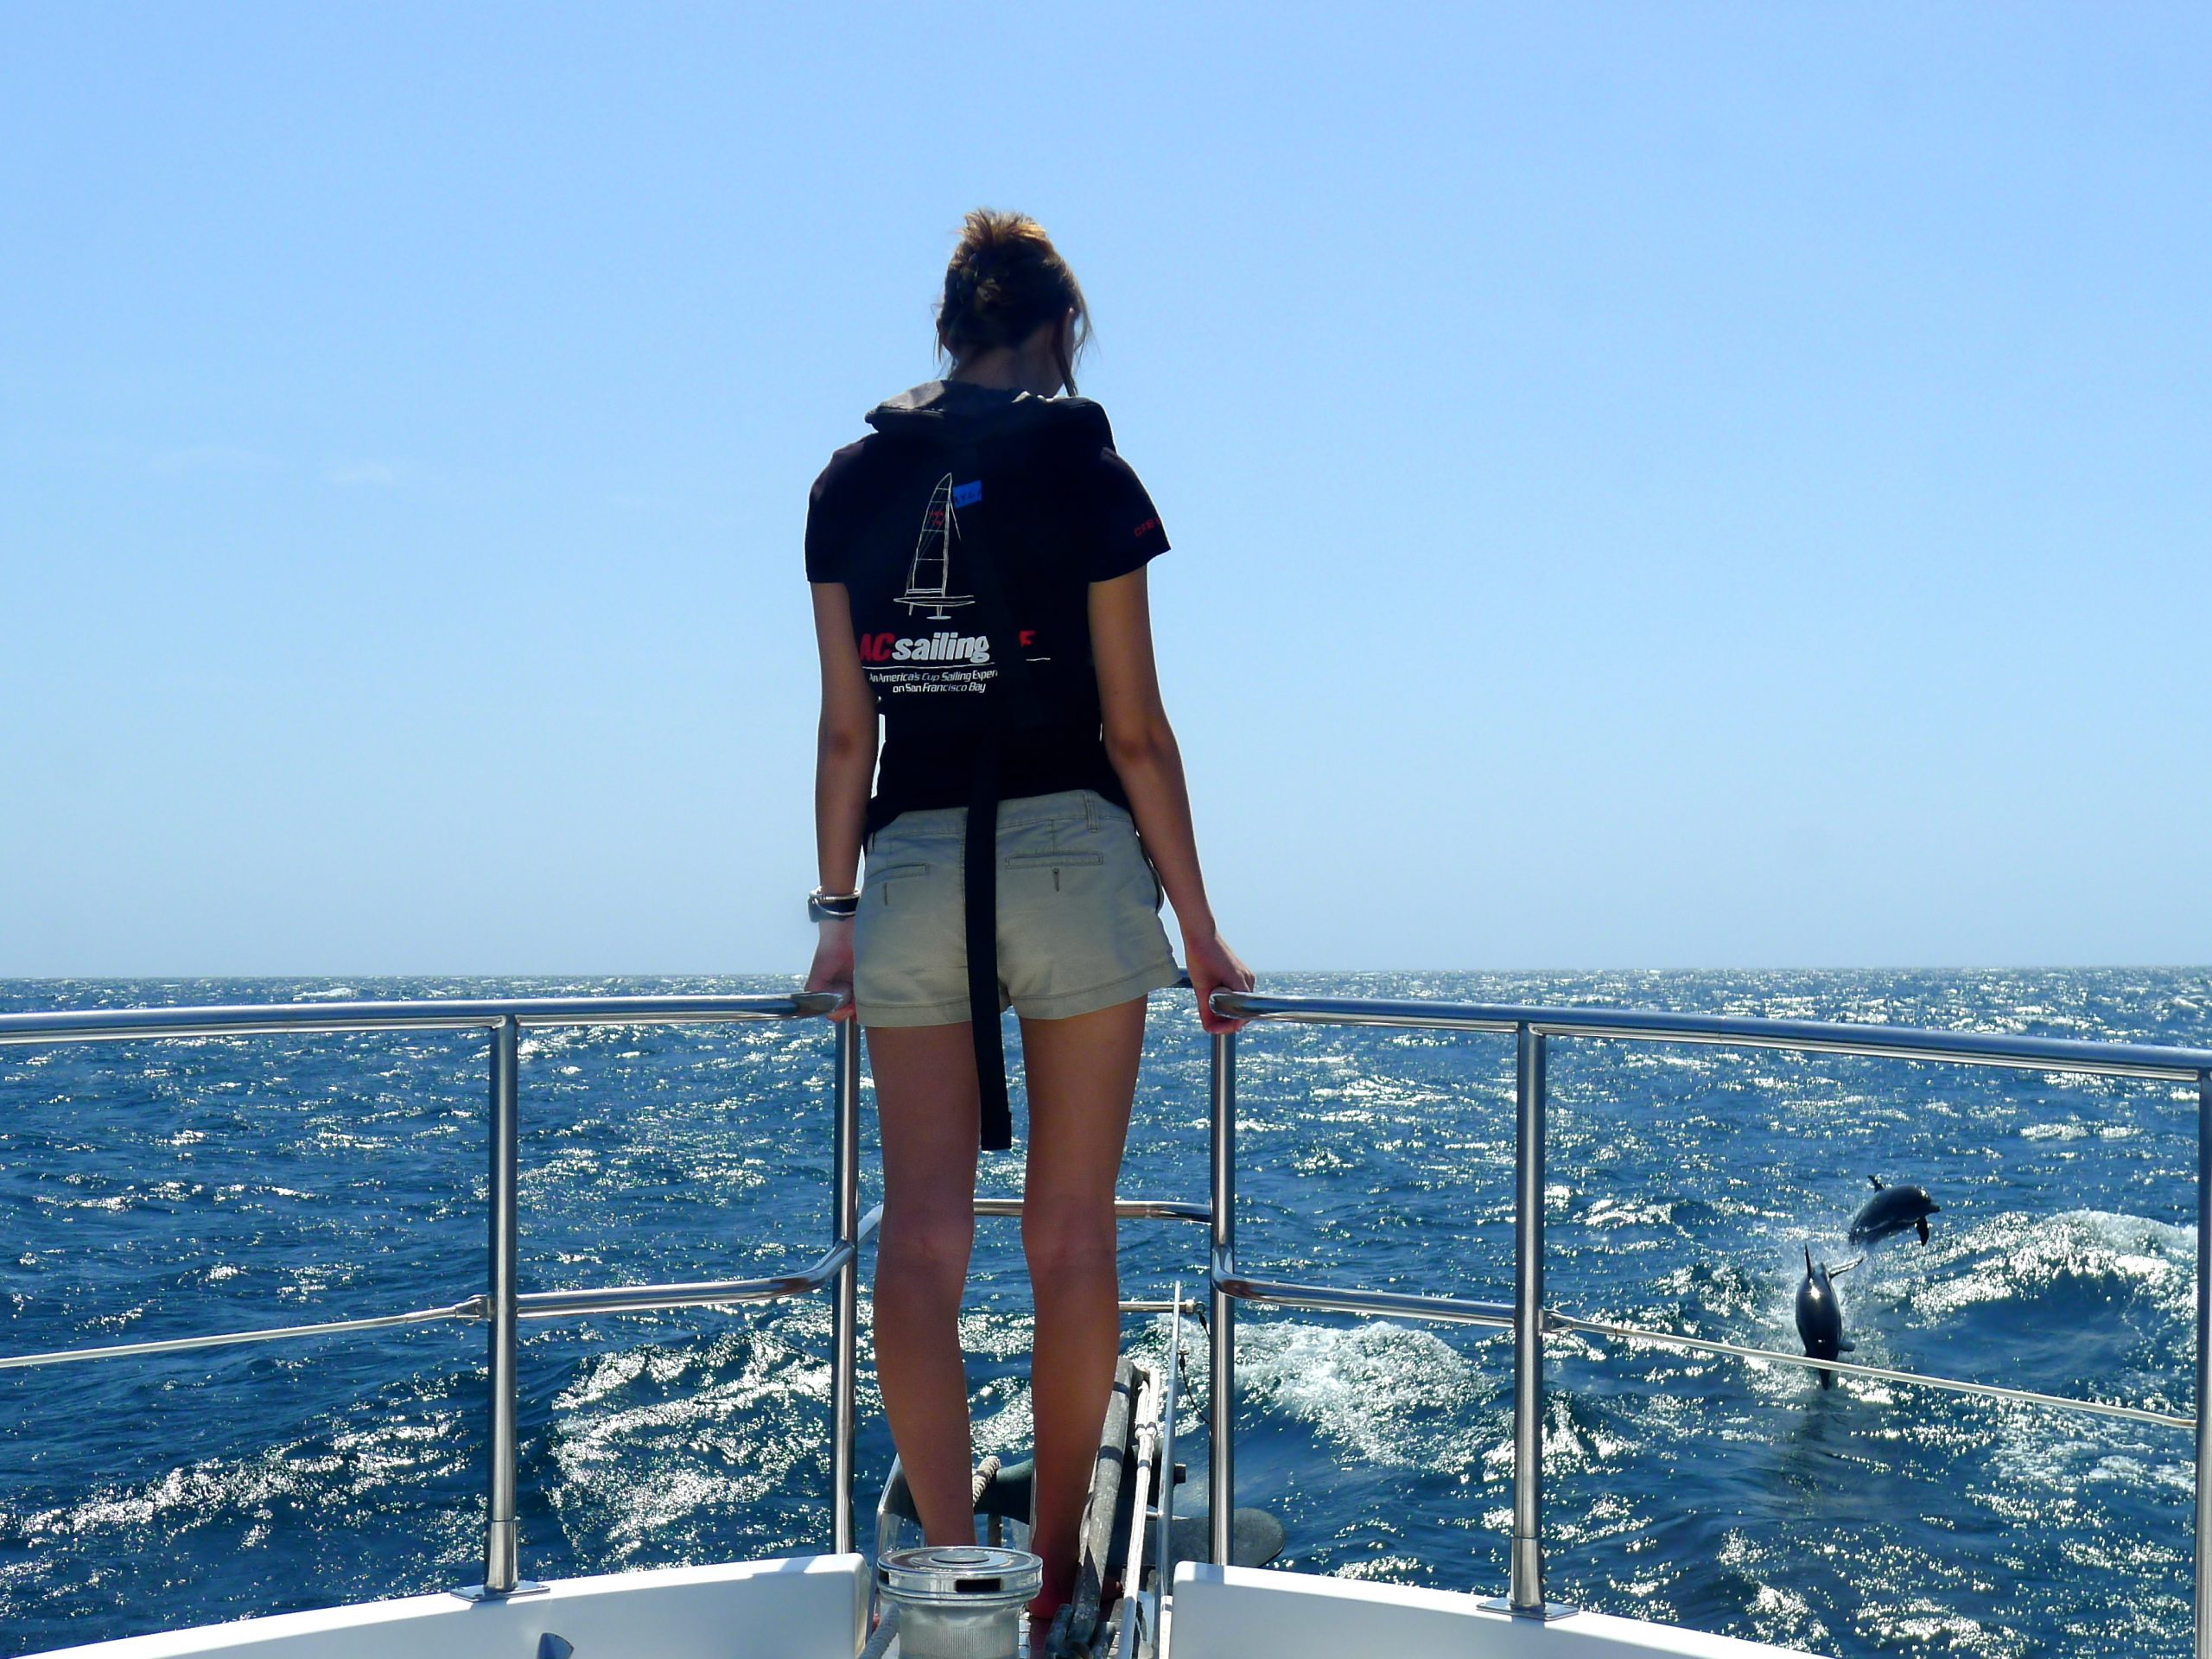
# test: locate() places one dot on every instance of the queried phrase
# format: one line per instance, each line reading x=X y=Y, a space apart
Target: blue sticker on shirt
x=967 y=495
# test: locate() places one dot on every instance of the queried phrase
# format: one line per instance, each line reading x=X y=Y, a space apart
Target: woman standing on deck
x=978 y=570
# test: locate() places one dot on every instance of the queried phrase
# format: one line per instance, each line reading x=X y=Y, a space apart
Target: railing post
x=499 y=1552
x=1221 y=1310
x=844 y=1303
x=2203 y=1586
x=1525 y=1586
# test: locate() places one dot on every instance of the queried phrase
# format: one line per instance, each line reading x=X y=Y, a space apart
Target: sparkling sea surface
x=158 y=1189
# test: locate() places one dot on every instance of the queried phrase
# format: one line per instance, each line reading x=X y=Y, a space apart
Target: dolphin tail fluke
x=1827 y=1381
x=1924 y=1229
x=1876 y=1180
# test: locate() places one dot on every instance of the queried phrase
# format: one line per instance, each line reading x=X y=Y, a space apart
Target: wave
x=1389 y=1394
x=2094 y=1255
x=657 y=1441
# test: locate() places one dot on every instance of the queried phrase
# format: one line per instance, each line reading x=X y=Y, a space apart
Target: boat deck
x=815 y=1608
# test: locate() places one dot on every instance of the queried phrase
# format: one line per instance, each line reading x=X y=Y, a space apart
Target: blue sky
x=1652 y=486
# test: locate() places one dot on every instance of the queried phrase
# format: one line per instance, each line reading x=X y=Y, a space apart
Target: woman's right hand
x=833 y=965
x=1214 y=967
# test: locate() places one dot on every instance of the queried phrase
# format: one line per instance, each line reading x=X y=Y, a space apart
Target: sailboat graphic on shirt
x=929 y=579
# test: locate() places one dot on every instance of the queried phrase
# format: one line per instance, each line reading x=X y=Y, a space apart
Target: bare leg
x=928 y=1107
x=1082 y=1075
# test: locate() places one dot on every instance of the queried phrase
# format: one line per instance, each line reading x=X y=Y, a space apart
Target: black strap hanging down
x=1011 y=703
x=980 y=892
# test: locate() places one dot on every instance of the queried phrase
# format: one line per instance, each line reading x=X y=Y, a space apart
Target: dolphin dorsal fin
x=1809 y=1261
x=1878 y=1182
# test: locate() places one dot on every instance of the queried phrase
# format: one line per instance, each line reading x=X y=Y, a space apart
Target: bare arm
x=844 y=766
x=1141 y=745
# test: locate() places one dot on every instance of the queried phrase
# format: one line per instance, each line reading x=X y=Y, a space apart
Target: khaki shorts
x=1079 y=914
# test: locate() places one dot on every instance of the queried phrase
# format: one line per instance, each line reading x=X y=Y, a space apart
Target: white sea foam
x=1385 y=1569
x=2010 y=1257
x=1924 y=1623
x=668 y=1432
x=356 y=1463
x=1611 y=1211
x=1389 y=1394
x=1779 y=1615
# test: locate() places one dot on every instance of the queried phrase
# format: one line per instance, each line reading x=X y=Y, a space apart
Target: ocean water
x=163 y=1189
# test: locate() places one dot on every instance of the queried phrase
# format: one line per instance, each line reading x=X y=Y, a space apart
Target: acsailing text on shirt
x=946 y=646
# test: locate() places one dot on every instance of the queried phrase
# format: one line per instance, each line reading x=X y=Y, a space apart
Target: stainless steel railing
x=501 y=1305
x=1532 y=1030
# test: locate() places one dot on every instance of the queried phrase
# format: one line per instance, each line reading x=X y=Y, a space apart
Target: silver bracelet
x=832 y=906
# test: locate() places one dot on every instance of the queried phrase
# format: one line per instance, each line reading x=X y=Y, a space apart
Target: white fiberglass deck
x=812 y=1608
x=807 y=1607
x=1239 y=1612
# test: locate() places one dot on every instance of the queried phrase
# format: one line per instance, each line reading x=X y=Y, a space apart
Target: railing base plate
x=1550 y=1611
x=478 y=1593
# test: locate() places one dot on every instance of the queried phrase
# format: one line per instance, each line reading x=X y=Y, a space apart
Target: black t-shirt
x=1061 y=510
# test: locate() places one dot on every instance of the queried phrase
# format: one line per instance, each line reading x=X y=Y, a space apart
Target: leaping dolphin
x=1892 y=1210
x=1819 y=1316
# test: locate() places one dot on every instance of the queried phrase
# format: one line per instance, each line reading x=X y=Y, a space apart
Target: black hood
x=955 y=411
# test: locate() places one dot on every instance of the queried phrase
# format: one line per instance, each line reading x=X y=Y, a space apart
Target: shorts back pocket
x=1054 y=862
x=885 y=880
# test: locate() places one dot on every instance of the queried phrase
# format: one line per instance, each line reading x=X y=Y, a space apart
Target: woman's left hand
x=833 y=965
x=1214 y=967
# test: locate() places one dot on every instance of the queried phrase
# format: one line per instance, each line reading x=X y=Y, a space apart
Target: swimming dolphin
x=1891 y=1210
x=1819 y=1316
